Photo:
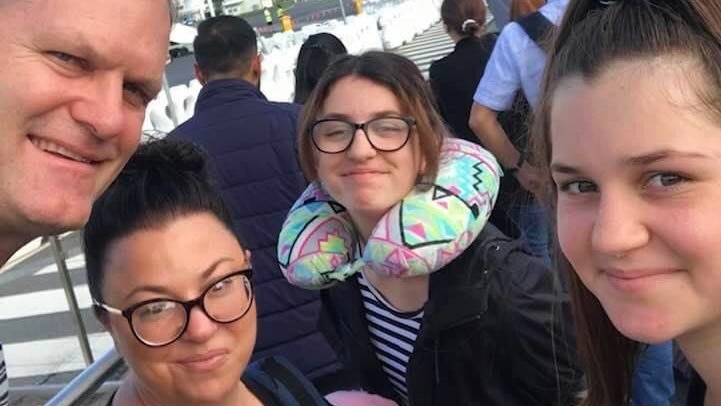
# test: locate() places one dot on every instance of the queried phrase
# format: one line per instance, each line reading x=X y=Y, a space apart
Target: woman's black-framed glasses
x=159 y=322
x=386 y=134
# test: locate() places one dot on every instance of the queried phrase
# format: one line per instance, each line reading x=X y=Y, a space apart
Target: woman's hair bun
x=470 y=27
x=168 y=154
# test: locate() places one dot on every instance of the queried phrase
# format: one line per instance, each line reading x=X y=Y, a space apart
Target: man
x=77 y=76
x=252 y=153
x=516 y=64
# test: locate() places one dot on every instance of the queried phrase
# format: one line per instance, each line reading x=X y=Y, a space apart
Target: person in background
x=251 y=149
x=454 y=77
x=316 y=53
x=71 y=109
x=516 y=65
x=368 y=134
x=629 y=142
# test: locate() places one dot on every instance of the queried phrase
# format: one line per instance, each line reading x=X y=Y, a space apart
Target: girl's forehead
x=629 y=111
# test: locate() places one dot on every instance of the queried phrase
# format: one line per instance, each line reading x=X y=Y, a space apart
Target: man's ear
x=199 y=75
x=256 y=66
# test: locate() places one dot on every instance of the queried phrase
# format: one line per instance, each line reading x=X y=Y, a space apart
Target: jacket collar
x=223 y=91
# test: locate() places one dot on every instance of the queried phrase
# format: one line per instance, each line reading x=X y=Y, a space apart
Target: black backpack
x=277 y=376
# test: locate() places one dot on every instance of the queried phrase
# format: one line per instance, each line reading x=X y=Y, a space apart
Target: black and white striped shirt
x=392 y=334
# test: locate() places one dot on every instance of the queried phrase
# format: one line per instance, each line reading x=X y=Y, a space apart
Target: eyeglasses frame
x=363 y=126
x=188 y=305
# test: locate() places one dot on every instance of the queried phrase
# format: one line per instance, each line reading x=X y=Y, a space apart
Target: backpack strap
x=279 y=376
x=537 y=27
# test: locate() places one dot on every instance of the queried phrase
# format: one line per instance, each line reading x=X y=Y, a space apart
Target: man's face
x=77 y=76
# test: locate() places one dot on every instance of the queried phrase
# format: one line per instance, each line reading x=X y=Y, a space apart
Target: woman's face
x=637 y=163
x=180 y=260
x=366 y=181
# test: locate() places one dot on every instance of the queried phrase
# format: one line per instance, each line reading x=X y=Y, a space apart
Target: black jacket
x=251 y=147
x=496 y=331
x=454 y=79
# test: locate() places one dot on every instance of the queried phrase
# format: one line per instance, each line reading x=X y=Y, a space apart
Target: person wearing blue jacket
x=250 y=142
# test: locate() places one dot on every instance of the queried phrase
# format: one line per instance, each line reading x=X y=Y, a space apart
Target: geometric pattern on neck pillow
x=318 y=245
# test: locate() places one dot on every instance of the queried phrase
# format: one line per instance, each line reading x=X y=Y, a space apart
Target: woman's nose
x=619 y=226
x=361 y=148
x=200 y=326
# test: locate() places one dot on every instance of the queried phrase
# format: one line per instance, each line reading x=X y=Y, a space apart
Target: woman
x=172 y=285
x=454 y=77
x=630 y=137
x=452 y=337
x=316 y=53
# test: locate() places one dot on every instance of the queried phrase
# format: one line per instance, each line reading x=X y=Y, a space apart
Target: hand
x=529 y=177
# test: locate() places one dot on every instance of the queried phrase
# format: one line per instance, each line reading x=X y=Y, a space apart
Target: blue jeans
x=531 y=221
x=653 y=381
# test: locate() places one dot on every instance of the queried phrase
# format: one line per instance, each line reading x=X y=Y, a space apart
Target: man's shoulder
x=287 y=108
x=554 y=10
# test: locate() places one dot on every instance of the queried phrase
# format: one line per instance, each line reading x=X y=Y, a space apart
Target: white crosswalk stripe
x=28 y=317
x=45 y=357
x=427 y=47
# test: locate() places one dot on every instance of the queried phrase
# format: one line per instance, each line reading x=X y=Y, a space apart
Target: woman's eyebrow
x=558 y=167
x=640 y=160
x=662 y=154
x=163 y=290
x=343 y=116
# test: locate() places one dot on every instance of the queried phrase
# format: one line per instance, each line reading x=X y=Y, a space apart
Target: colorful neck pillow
x=422 y=233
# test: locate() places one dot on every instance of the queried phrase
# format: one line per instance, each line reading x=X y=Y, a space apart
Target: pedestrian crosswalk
x=38 y=333
x=427 y=47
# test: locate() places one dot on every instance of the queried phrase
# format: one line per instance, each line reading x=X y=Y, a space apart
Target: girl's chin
x=643 y=333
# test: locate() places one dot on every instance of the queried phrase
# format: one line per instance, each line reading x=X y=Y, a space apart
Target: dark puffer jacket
x=496 y=331
x=251 y=146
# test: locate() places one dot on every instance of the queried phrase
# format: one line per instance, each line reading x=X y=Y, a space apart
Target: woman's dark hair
x=163 y=180
x=592 y=37
x=395 y=73
x=465 y=17
x=316 y=53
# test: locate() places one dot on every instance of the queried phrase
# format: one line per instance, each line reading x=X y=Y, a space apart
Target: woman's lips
x=207 y=361
x=637 y=279
x=363 y=172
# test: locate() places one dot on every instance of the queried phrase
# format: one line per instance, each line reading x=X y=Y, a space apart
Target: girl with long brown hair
x=629 y=138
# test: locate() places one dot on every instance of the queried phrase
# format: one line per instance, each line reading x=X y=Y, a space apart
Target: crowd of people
x=532 y=225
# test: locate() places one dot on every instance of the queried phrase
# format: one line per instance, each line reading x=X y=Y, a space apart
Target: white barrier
x=387 y=28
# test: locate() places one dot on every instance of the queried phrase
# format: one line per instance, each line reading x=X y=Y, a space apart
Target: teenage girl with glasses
x=369 y=136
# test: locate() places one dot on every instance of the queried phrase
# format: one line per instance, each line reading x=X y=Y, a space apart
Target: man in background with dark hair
x=72 y=104
x=251 y=148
